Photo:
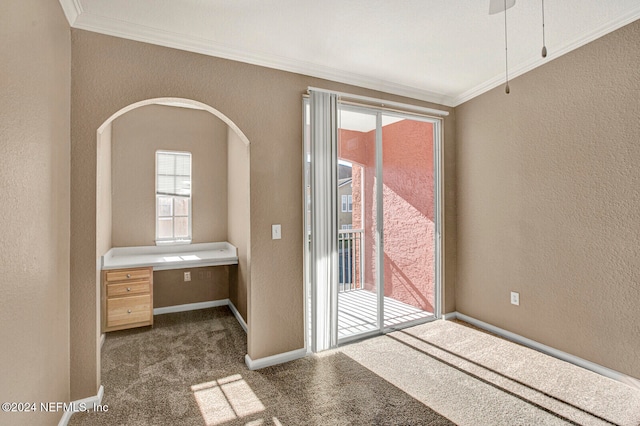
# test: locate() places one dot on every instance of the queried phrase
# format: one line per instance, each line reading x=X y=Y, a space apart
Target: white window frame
x=174 y=239
x=347 y=203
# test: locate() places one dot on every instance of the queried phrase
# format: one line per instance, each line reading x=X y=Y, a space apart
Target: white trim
x=580 y=362
x=203 y=305
x=184 y=101
x=82 y=20
x=405 y=108
x=243 y=324
x=84 y=402
x=103 y=336
x=190 y=307
x=450 y=316
x=72 y=9
x=621 y=21
x=131 y=31
x=274 y=359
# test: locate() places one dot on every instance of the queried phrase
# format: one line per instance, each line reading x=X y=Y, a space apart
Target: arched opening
x=126 y=203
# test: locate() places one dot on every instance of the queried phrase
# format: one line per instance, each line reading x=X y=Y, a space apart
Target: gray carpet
x=475 y=378
x=189 y=370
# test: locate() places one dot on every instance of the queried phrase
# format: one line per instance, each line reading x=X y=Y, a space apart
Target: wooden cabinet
x=127 y=298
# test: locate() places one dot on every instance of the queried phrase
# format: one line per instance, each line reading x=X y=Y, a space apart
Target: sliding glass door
x=380 y=222
x=358 y=295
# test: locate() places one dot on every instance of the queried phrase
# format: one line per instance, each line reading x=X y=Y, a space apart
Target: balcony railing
x=350 y=260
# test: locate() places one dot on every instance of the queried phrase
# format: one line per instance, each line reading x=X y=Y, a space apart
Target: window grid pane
x=173 y=195
x=165 y=227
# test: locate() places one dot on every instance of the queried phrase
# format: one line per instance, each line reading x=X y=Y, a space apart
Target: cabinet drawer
x=128 y=288
x=128 y=275
x=128 y=310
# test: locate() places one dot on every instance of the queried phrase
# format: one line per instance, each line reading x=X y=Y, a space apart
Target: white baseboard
x=274 y=359
x=556 y=353
x=190 y=307
x=450 y=316
x=81 y=405
x=243 y=324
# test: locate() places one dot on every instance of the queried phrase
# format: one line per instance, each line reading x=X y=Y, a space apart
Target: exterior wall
x=110 y=74
x=344 y=218
x=137 y=135
x=34 y=213
x=409 y=229
x=549 y=203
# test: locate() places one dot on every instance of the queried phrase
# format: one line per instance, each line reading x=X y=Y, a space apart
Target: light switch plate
x=276 y=232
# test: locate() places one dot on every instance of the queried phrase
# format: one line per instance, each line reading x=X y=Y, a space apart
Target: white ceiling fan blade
x=497 y=6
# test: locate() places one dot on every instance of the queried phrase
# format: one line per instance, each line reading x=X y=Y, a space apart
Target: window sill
x=173 y=243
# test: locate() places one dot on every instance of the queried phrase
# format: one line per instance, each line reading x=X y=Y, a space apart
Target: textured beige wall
x=549 y=203
x=103 y=193
x=239 y=219
x=34 y=181
x=137 y=135
x=207 y=284
x=110 y=74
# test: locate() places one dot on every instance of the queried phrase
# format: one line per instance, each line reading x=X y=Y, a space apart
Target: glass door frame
x=438 y=135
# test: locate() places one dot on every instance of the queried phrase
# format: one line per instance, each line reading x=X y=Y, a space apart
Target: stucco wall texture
x=549 y=203
x=238 y=218
x=136 y=137
x=109 y=74
x=34 y=212
x=408 y=208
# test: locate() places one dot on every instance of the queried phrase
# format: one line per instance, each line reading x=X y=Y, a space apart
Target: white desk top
x=171 y=256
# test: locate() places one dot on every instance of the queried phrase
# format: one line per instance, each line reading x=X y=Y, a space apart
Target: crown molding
x=72 y=9
x=621 y=21
x=128 y=30
x=118 y=28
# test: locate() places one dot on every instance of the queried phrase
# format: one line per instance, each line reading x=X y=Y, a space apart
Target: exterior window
x=345 y=227
x=173 y=197
x=347 y=203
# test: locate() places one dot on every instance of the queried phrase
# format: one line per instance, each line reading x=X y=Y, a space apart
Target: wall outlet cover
x=515 y=298
x=187 y=276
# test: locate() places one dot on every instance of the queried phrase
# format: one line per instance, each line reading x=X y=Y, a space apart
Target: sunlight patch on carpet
x=226 y=399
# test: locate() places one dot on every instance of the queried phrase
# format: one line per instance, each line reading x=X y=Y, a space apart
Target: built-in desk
x=127 y=277
x=171 y=256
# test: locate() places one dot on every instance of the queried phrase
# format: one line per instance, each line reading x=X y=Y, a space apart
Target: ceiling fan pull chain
x=544 y=44
x=506 y=55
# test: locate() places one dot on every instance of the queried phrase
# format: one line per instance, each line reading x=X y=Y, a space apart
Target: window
x=347 y=203
x=173 y=197
x=345 y=227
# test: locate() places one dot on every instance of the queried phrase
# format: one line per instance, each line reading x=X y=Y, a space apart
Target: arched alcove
x=237 y=192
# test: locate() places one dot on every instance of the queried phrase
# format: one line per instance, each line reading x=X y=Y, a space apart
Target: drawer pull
x=129 y=311
x=128 y=288
x=128 y=275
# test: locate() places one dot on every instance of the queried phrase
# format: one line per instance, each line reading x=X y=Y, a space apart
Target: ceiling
x=443 y=51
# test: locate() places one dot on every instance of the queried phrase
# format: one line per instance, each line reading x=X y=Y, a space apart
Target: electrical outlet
x=515 y=298
x=187 y=276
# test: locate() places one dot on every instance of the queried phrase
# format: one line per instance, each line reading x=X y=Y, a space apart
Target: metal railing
x=350 y=260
